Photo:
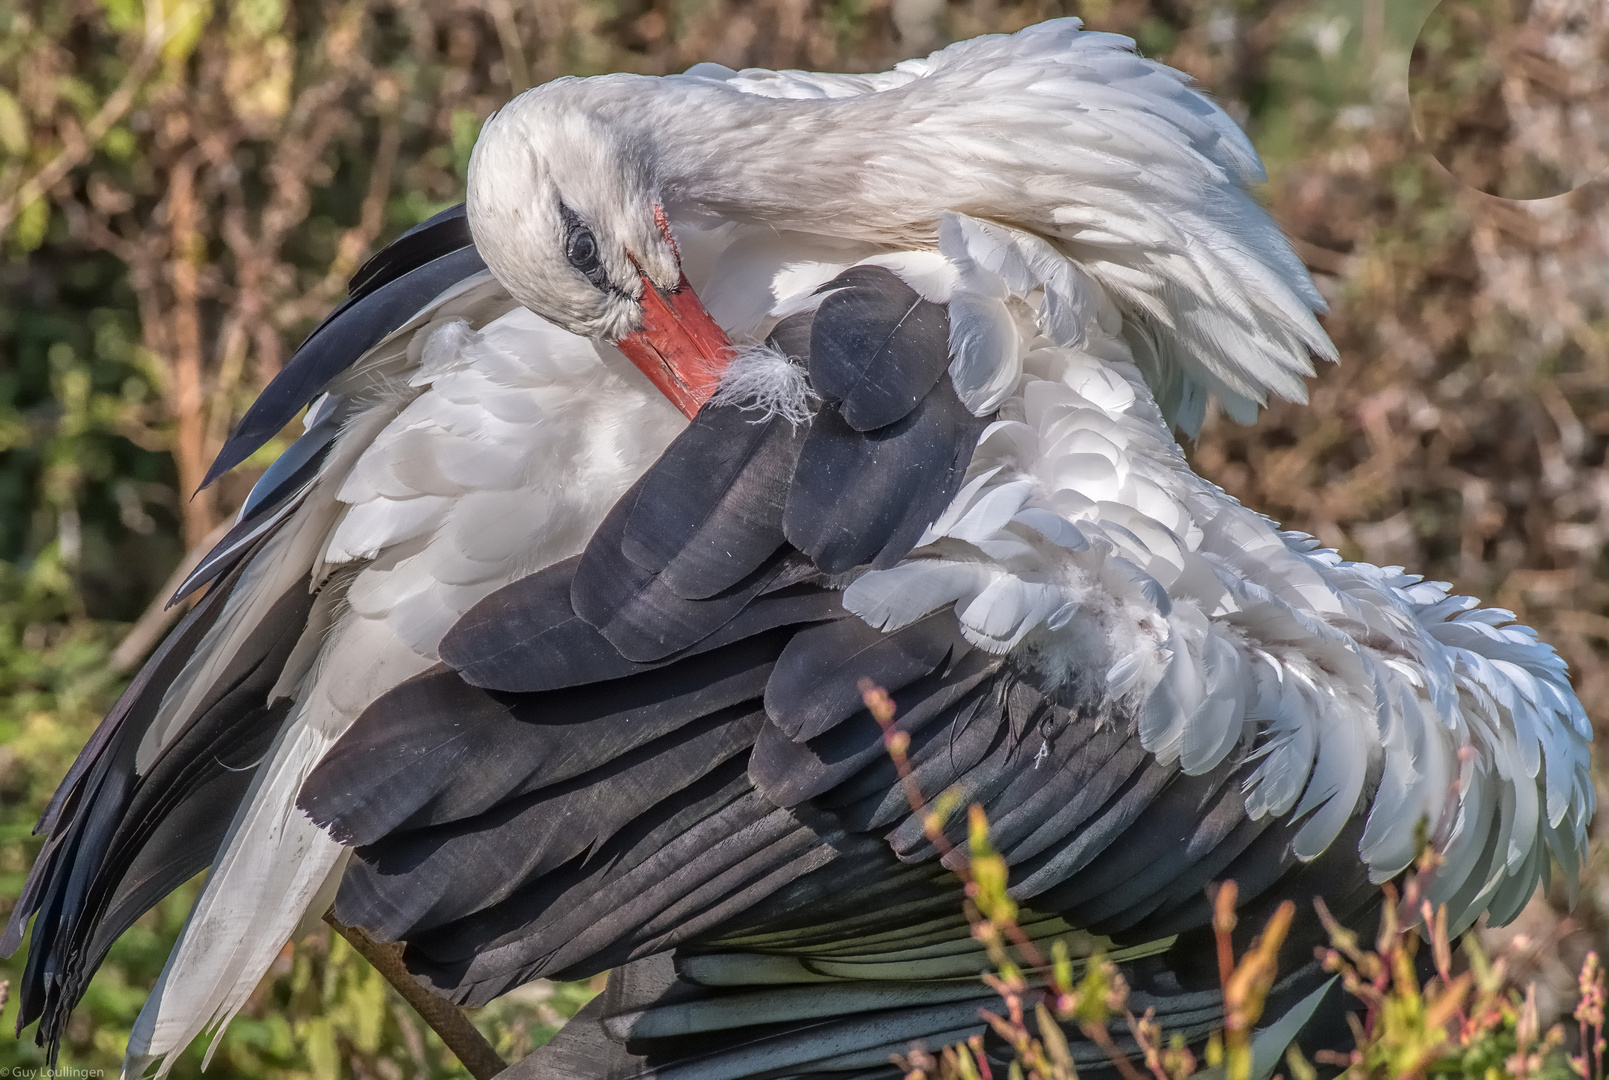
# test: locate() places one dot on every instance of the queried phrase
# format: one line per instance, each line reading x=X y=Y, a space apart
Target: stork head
x=565 y=209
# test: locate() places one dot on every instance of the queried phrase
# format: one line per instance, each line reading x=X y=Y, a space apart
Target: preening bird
x=541 y=650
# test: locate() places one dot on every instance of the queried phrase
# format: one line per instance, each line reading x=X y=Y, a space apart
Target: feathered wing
x=630 y=664
x=1357 y=690
x=661 y=745
x=1125 y=173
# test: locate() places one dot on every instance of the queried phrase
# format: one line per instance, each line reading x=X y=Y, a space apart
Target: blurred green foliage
x=185 y=186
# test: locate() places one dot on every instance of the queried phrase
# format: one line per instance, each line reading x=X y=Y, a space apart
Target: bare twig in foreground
x=445 y=1019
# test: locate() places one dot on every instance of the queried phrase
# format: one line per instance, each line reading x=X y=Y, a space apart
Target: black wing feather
x=105 y=814
x=817 y=683
x=526 y=638
x=865 y=497
x=710 y=511
x=457 y=869
x=339 y=342
x=440 y=234
x=435 y=750
x=876 y=347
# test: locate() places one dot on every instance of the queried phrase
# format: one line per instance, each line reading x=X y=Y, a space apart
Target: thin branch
x=78 y=146
x=445 y=1019
x=187 y=398
x=508 y=38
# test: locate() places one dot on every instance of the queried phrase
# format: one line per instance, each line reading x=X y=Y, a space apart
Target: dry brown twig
x=445 y=1019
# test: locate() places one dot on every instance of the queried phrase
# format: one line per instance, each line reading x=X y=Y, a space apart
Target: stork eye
x=581 y=248
x=583 y=253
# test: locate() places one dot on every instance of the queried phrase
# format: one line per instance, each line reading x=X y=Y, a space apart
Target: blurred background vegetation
x=185 y=186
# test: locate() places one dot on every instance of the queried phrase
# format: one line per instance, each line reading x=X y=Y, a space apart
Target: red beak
x=680 y=348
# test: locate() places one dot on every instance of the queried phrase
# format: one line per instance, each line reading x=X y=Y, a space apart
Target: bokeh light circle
x=1512 y=96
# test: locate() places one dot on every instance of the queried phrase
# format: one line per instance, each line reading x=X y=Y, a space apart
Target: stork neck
x=837 y=166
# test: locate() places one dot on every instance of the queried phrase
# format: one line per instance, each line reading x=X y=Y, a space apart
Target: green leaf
x=13 y=125
x=28 y=231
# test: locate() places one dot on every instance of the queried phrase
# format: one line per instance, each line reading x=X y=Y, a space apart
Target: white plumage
x=1083 y=213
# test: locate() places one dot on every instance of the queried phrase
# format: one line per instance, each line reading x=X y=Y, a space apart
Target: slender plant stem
x=445 y=1019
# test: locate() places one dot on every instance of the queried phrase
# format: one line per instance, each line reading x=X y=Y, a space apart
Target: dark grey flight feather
x=653 y=623
x=183 y=802
x=460 y=868
x=435 y=750
x=182 y=832
x=791 y=772
x=669 y=904
x=584 y=914
x=694 y=540
x=440 y=234
x=525 y=637
x=817 y=683
x=276 y=494
x=340 y=341
x=864 y=498
x=118 y=841
x=710 y=510
x=876 y=347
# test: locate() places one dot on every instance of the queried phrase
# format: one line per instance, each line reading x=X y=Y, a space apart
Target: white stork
x=539 y=651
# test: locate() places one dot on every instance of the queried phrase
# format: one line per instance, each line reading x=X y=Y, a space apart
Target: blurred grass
x=182 y=197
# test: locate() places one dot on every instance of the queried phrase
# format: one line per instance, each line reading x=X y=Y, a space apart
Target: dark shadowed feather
x=104 y=812
x=876 y=347
x=180 y=835
x=596 y=912
x=710 y=510
x=865 y=497
x=525 y=637
x=457 y=869
x=440 y=234
x=791 y=771
x=435 y=750
x=339 y=342
x=817 y=683
x=632 y=607
x=275 y=495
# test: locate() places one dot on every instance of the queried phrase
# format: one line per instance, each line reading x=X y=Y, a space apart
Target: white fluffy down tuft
x=762 y=380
